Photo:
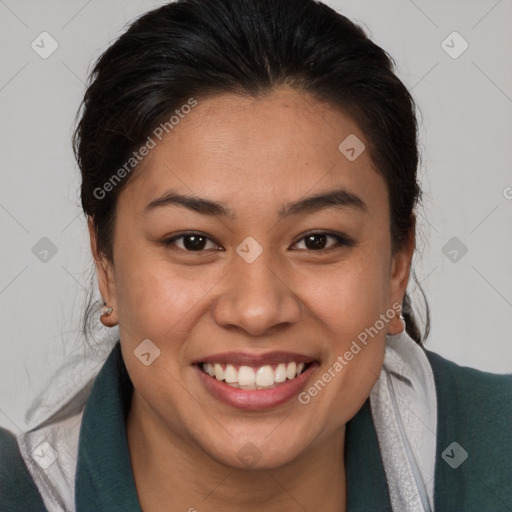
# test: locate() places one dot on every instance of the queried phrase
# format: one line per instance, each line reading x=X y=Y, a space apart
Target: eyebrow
x=337 y=198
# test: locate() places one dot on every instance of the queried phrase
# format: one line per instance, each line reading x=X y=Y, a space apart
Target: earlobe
x=397 y=324
x=106 y=311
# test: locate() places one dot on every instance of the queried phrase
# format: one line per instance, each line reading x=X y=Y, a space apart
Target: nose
x=256 y=297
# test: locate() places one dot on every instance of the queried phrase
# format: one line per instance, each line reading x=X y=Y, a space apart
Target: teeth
x=247 y=377
x=209 y=369
x=280 y=373
x=219 y=372
x=291 y=370
x=230 y=375
x=265 y=376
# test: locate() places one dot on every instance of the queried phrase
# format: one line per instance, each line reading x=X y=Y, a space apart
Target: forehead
x=240 y=149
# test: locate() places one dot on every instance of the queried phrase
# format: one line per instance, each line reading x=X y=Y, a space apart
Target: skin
x=254 y=155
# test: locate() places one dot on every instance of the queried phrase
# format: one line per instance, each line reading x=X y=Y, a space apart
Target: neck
x=171 y=474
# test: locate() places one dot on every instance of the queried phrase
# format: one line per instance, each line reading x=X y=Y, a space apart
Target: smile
x=255 y=380
x=248 y=377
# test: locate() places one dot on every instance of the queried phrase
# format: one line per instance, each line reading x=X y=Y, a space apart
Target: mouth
x=255 y=382
x=254 y=377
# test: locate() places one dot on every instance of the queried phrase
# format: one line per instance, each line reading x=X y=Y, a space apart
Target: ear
x=399 y=277
x=105 y=273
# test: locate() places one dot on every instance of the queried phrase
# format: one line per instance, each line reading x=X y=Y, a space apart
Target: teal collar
x=104 y=478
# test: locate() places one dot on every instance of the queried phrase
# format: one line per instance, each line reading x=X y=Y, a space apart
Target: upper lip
x=248 y=359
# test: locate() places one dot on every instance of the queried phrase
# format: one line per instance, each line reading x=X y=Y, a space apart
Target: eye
x=317 y=241
x=192 y=242
x=197 y=242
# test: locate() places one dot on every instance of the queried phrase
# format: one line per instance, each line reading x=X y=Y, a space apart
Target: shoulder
x=473 y=390
x=37 y=467
x=475 y=435
x=17 y=489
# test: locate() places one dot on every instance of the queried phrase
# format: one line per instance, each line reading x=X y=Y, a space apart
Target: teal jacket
x=474 y=410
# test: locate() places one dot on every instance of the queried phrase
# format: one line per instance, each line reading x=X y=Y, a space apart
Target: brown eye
x=318 y=241
x=314 y=242
x=191 y=242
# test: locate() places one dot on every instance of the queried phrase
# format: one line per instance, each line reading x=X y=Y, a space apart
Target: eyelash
x=341 y=240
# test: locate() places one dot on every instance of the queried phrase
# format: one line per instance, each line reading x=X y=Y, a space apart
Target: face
x=255 y=276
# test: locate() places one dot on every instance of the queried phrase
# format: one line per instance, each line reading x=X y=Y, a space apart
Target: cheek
x=349 y=302
x=347 y=297
x=157 y=300
x=355 y=337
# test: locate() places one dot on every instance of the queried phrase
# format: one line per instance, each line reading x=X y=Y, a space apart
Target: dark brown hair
x=198 y=48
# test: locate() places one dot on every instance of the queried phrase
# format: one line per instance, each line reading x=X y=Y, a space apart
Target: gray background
x=465 y=104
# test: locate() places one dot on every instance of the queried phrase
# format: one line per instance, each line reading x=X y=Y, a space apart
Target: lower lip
x=256 y=399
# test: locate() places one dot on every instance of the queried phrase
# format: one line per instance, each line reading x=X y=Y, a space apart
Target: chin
x=258 y=452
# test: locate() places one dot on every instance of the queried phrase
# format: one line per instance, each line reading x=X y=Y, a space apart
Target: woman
x=249 y=179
